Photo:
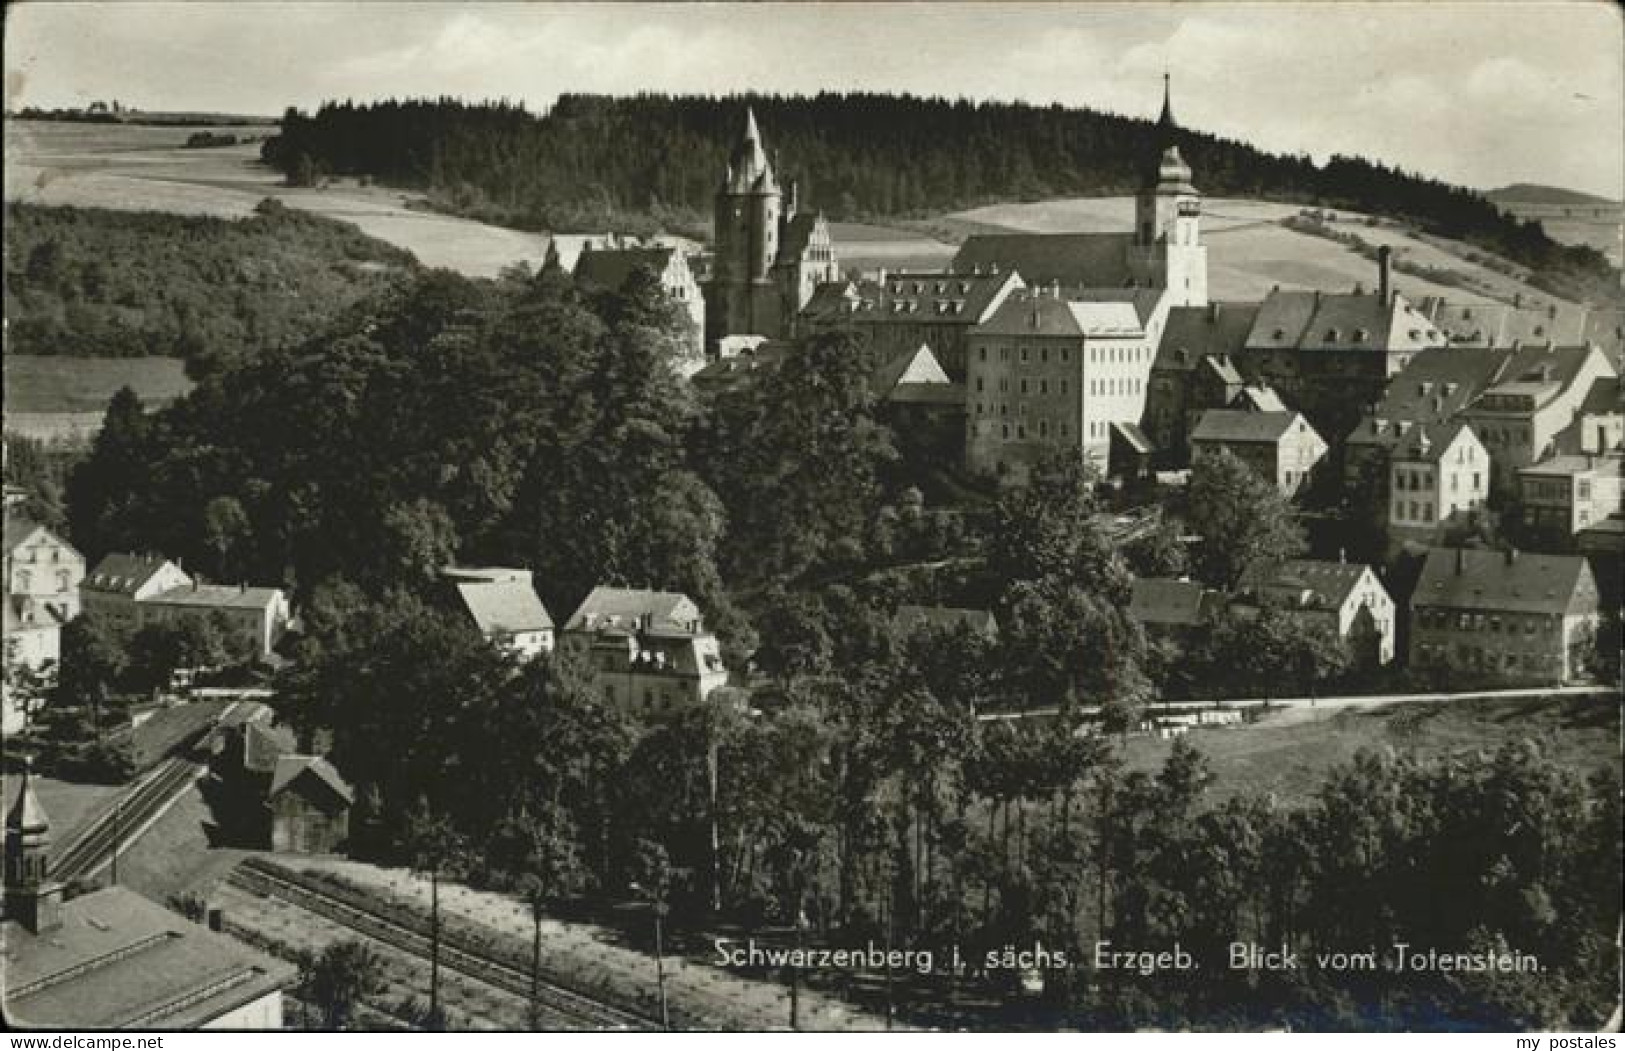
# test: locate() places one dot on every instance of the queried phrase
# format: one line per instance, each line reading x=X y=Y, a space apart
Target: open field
x=1288 y=754
x=146 y=168
x=48 y=384
x=870 y=247
x=1249 y=252
x=64 y=399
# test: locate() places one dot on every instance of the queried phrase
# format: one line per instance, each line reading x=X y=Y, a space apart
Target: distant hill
x=654 y=161
x=157 y=118
x=1534 y=193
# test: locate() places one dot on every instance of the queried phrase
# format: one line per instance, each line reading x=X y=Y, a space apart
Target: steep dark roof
x=1313 y=583
x=1093 y=260
x=1193 y=333
x=1434 y=385
x=1172 y=603
x=798 y=232
x=124 y=574
x=911 y=298
x=1492 y=581
x=1425 y=444
x=119 y=961
x=1235 y=425
x=290 y=768
x=610 y=268
x=1540 y=372
x=1298 y=320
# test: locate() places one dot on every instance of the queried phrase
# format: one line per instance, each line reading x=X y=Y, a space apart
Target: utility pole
x=660 y=962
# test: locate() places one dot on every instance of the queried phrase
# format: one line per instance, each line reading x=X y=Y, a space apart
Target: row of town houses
x=1108 y=345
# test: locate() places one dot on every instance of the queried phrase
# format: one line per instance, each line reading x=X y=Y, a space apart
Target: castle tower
x=1167 y=219
x=32 y=898
x=742 y=298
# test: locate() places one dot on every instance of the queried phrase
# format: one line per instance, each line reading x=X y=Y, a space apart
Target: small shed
x=310 y=806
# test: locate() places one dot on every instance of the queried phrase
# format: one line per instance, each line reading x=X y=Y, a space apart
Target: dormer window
x=1331 y=335
x=1279 y=333
x=1360 y=335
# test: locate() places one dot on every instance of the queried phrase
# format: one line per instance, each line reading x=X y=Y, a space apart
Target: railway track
x=92 y=849
x=560 y=1006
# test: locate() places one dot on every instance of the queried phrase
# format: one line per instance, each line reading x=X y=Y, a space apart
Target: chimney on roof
x=1342 y=556
x=1512 y=555
x=1551 y=311
x=1461 y=560
x=1517 y=299
x=1384 y=273
x=1213 y=311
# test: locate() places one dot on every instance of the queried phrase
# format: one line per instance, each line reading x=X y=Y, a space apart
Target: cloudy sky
x=1483 y=93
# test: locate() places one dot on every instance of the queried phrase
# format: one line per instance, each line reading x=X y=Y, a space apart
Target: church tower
x=1168 y=246
x=742 y=297
x=33 y=899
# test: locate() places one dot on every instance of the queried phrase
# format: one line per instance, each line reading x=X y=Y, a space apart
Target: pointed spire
x=1166 y=119
x=748 y=167
x=26 y=814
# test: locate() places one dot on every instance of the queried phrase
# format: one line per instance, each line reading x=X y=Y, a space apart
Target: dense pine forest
x=100 y=283
x=593 y=162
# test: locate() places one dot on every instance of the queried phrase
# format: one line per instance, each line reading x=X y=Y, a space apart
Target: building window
x=1024 y=386
x=1024 y=355
x=1004 y=432
x=981 y=353
x=1043 y=387
x=1043 y=355
x=1021 y=431
x=978 y=384
x=1043 y=428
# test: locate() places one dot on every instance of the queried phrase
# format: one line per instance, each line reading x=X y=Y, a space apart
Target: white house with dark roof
x=1281 y=446
x=503 y=605
x=1347 y=598
x=1537 y=396
x=648 y=651
x=1050 y=372
x=1437 y=474
x=147 y=589
x=1516 y=617
x=42 y=569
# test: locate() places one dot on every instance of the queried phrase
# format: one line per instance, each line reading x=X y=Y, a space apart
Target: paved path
x=1310 y=705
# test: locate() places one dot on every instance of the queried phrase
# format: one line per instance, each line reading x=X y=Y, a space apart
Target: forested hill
x=101 y=283
x=594 y=162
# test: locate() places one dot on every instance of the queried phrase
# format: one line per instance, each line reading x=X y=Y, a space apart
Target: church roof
x=1089 y=260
